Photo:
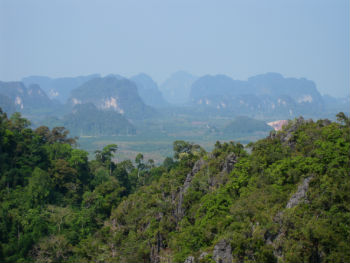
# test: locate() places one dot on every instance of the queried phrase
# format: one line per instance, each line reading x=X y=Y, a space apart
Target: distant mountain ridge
x=58 y=88
x=25 y=99
x=267 y=94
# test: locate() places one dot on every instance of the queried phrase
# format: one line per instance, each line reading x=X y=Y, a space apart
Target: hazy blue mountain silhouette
x=25 y=99
x=176 y=89
x=334 y=105
x=58 y=88
x=149 y=91
x=7 y=105
x=267 y=95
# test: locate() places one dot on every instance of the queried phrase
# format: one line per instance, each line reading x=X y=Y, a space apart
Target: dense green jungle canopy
x=285 y=198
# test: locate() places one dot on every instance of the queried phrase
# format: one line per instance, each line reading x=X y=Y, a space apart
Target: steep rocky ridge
x=196 y=168
x=298 y=197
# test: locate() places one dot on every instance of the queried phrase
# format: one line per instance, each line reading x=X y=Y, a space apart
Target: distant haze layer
x=238 y=38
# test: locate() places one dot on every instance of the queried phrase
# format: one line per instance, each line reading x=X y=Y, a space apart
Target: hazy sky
x=297 y=38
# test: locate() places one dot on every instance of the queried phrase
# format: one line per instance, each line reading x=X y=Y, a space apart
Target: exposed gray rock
x=226 y=168
x=196 y=167
x=300 y=194
x=154 y=255
x=190 y=259
x=297 y=198
x=156 y=249
x=324 y=122
x=203 y=255
x=222 y=252
x=229 y=163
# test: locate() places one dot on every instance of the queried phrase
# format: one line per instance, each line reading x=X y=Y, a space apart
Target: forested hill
x=285 y=198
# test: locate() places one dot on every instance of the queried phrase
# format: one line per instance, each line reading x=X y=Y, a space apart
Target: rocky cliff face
x=229 y=163
x=190 y=259
x=222 y=252
x=300 y=194
x=196 y=168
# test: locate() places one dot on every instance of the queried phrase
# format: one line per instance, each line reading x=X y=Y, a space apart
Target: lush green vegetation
x=57 y=206
x=154 y=137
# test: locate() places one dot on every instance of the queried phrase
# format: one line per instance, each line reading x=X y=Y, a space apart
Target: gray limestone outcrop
x=229 y=163
x=196 y=167
x=222 y=252
x=300 y=194
x=190 y=259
